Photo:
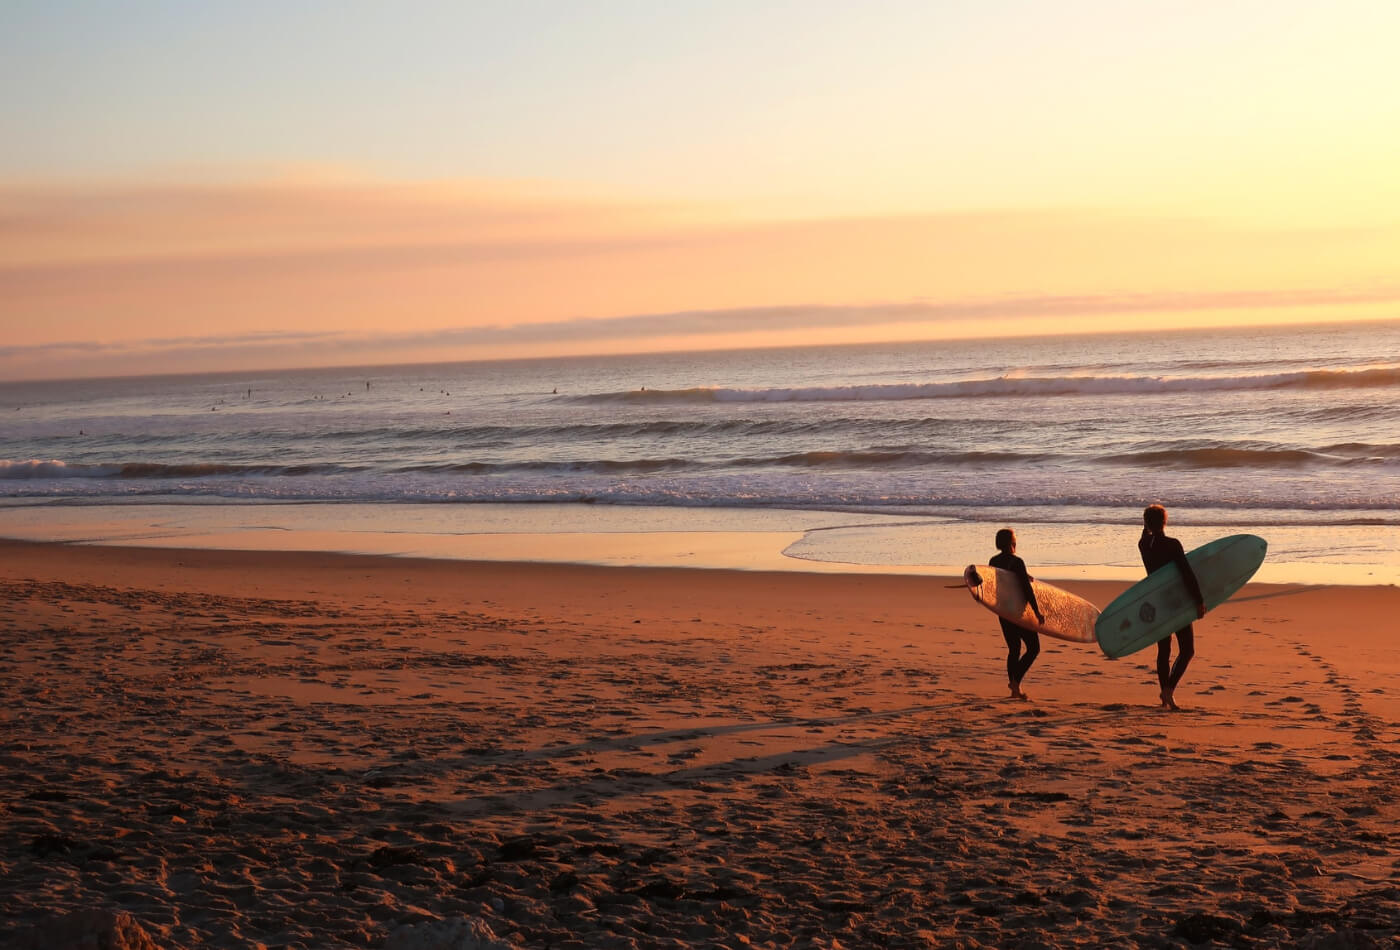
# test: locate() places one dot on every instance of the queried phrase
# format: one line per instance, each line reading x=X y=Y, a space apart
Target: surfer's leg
x=1032 y=641
x=1164 y=665
x=1013 y=654
x=1186 y=643
x=1012 y=635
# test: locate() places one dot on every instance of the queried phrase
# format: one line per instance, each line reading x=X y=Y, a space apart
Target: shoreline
x=236 y=748
x=221 y=570
x=761 y=539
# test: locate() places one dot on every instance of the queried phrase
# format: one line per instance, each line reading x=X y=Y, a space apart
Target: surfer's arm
x=1189 y=576
x=1030 y=599
x=1029 y=590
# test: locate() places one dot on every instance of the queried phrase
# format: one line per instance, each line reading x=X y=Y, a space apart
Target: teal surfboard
x=1161 y=604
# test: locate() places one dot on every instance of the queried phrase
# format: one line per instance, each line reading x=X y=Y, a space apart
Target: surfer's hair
x=1005 y=539
x=1154 y=517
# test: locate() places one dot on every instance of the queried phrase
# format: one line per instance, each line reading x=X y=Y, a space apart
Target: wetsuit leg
x=1186 y=642
x=1032 y=641
x=1012 y=635
x=1164 y=661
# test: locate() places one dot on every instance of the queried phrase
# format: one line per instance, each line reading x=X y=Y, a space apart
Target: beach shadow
x=1293 y=592
x=627 y=743
x=624 y=783
x=628 y=782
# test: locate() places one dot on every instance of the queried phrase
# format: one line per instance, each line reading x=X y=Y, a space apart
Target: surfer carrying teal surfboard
x=1157 y=551
x=1017 y=663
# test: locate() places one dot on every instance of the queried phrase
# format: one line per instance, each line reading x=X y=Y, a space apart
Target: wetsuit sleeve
x=1187 y=575
x=1012 y=563
x=1026 y=587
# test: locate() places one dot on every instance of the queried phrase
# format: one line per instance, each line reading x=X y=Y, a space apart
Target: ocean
x=890 y=456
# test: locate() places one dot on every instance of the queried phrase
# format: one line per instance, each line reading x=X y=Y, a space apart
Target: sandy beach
x=244 y=749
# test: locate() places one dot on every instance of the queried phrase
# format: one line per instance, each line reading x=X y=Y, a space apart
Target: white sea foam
x=52 y=468
x=1017 y=385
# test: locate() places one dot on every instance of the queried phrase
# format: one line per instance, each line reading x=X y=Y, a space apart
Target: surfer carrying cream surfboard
x=1017 y=663
x=1157 y=551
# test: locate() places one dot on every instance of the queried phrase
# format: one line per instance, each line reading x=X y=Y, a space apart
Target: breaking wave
x=1018 y=386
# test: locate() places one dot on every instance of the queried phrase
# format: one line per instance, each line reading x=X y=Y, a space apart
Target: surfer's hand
x=1039 y=617
x=1200 y=611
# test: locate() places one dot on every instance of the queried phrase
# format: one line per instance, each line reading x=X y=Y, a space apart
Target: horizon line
x=560 y=357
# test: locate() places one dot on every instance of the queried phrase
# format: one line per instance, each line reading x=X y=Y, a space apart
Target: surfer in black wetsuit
x=1158 y=550
x=1017 y=663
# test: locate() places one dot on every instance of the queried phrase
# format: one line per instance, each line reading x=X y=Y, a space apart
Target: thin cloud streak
x=794 y=318
x=164 y=344
x=292 y=348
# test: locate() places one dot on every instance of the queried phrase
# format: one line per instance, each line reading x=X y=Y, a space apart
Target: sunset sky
x=263 y=184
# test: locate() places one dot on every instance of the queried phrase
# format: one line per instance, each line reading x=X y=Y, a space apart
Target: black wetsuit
x=1158 y=550
x=1017 y=664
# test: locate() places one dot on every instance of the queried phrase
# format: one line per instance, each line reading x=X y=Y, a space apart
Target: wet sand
x=306 y=750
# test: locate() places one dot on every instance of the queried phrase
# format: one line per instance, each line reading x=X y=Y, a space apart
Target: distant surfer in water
x=1017 y=663
x=1158 y=550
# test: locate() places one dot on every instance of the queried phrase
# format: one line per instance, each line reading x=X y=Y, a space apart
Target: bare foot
x=1169 y=702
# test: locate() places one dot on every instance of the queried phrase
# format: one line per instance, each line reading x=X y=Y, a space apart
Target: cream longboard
x=1067 y=616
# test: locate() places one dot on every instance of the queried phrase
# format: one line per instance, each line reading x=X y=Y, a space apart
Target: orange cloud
x=356 y=273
